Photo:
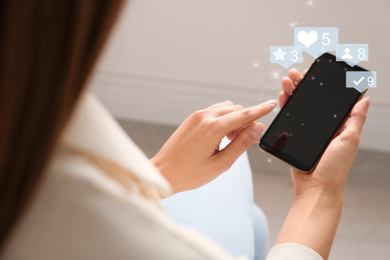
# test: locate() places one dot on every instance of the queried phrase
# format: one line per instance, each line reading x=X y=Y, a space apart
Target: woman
x=72 y=186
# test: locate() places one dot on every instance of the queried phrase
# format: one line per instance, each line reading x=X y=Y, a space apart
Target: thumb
x=240 y=144
x=358 y=116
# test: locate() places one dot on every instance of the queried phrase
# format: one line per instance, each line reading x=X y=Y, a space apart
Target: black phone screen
x=313 y=114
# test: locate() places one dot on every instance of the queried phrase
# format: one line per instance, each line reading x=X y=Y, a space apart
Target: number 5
x=325 y=37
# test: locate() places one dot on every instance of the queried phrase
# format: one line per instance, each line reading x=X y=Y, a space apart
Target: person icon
x=347 y=55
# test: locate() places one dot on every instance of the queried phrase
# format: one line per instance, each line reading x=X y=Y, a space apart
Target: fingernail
x=272 y=102
x=256 y=130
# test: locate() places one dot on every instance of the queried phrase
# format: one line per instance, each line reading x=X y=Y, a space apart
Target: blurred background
x=167 y=59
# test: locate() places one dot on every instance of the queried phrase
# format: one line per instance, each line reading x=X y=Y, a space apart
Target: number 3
x=295 y=56
x=325 y=37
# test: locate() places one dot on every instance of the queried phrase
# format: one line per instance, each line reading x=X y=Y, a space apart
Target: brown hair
x=47 y=51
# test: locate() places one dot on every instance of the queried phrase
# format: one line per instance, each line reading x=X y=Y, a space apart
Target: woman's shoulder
x=79 y=212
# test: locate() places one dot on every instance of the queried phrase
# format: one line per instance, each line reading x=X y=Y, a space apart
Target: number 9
x=370 y=80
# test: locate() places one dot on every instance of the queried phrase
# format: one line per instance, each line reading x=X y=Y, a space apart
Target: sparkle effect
x=310 y=3
x=275 y=74
x=292 y=25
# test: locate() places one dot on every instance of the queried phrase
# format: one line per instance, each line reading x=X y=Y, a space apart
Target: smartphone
x=313 y=115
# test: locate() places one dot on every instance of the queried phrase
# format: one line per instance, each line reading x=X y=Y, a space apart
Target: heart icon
x=307 y=39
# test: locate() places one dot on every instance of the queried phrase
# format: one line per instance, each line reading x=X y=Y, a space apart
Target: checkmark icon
x=359 y=81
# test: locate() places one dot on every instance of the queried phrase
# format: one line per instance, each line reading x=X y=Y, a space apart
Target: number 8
x=362 y=54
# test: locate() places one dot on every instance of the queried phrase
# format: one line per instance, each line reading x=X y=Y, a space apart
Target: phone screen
x=313 y=114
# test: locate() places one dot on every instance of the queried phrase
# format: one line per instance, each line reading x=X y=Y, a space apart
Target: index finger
x=221 y=104
x=242 y=117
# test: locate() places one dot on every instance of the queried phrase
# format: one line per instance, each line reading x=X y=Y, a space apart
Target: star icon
x=279 y=54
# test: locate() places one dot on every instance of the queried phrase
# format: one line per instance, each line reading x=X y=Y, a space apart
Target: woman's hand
x=314 y=216
x=332 y=170
x=191 y=156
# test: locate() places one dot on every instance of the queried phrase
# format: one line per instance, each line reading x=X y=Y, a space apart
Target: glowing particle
x=255 y=65
x=275 y=74
x=310 y=3
x=334 y=115
x=293 y=25
x=321 y=84
x=269 y=160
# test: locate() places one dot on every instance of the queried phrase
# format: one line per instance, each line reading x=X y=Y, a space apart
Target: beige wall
x=169 y=58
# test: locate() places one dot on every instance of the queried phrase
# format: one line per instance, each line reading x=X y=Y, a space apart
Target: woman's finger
x=234 y=133
x=226 y=157
x=295 y=76
x=223 y=110
x=222 y=104
x=242 y=117
x=283 y=97
x=288 y=85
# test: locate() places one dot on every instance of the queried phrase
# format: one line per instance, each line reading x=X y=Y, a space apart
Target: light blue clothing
x=224 y=211
x=260 y=233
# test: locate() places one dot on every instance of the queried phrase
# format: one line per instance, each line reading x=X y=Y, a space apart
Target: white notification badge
x=316 y=40
x=285 y=55
x=352 y=53
x=361 y=80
